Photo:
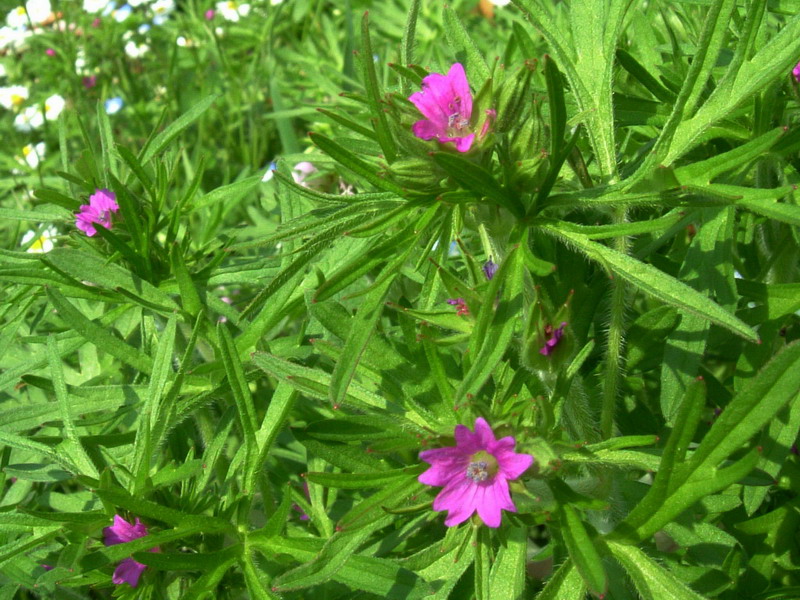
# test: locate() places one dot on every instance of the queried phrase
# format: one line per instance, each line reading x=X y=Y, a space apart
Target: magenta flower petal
x=101 y=204
x=446 y=103
x=484 y=434
x=466 y=441
x=460 y=87
x=552 y=341
x=489 y=506
x=463 y=144
x=425 y=130
x=474 y=474
x=128 y=571
x=513 y=464
x=120 y=532
x=796 y=72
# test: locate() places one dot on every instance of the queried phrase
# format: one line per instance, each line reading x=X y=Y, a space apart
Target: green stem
x=616 y=341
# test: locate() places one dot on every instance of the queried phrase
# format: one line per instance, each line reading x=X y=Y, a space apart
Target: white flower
x=500 y=2
x=38 y=10
x=30 y=118
x=42 y=244
x=13 y=96
x=113 y=105
x=233 y=11
x=94 y=6
x=17 y=18
x=135 y=50
x=80 y=62
x=163 y=7
x=120 y=14
x=32 y=155
x=53 y=107
x=3 y=72
x=13 y=38
x=270 y=173
x=135 y=3
x=276 y=2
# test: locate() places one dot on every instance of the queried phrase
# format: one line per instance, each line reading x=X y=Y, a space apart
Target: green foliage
x=251 y=354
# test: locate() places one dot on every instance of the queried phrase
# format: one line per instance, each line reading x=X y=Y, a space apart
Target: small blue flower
x=122 y=13
x=270 y=171
x=143 y=28
x=114 y=105
x=489 y=269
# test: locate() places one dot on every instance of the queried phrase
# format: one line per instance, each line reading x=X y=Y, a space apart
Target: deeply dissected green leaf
x=507 y=577
x=495 y=327
x=652 y=581
x=381 y=123
x=459 y=39
x=700 y=474
x=159 y=143
x=373 y=575
x=654 y=282
x=565 y=584
x=72 y=444
x=582 y=551
x=98 y=335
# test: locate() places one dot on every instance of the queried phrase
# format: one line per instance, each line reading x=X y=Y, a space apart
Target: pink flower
x=462 y=308
x=446 y=103
x=89 y=81
x=796 y=72
x=474 y=474
x=129 y=570
x=101 y=204
x=50 y=52
x=210 y=14
x=302 y=171
x=554 y=336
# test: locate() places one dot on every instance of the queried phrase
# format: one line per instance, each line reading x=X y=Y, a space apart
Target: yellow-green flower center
x=482 y=466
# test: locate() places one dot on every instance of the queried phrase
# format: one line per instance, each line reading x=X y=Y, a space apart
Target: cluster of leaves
x=638 y=184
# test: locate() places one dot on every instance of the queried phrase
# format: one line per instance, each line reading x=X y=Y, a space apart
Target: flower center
x=482 y=466
x=456 y=121
x=16 y=99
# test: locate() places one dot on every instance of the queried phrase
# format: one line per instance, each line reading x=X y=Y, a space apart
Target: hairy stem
x=616 y=341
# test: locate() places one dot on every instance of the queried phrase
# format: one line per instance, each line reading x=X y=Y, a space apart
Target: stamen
x=478 y=471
